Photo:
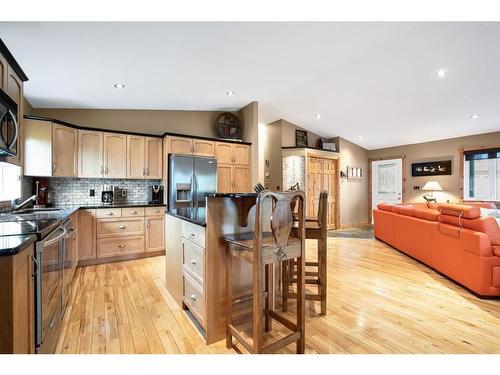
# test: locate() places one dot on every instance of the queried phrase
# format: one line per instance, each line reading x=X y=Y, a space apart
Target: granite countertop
x=230 y=195
x=18 y=230
x=193 y=215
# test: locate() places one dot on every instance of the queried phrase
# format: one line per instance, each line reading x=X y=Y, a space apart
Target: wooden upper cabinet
x=241 y=154
x=14 y=87
x=224 y=152
x=3 y=72
x=64 y=151
x=136 y=150
x=90 y=154
x=115 y=155
x=180 y=145
x=202 y=147
x=241 y=179
x=154 y=158
x=224 y=178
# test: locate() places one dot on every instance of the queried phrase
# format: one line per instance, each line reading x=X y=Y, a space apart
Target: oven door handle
x=57 y=239
x=16 y=127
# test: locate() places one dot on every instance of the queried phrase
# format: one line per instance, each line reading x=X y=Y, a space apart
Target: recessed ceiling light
x=360 y=138
x=441 y=73
x=317 y=116
x=230 y=93
x=474 y=117
x=119 y=85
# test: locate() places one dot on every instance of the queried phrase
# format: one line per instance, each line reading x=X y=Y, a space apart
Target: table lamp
x=431 y=186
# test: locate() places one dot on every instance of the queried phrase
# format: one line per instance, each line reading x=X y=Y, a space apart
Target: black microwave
x=9 y=128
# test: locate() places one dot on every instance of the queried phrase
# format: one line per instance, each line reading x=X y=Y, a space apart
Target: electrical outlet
x=92 y=192
x=124 y=192
x=416 y=187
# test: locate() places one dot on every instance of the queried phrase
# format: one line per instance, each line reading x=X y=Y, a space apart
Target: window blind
x=492 y=153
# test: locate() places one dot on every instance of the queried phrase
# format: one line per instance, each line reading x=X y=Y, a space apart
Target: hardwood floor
x=379 y=301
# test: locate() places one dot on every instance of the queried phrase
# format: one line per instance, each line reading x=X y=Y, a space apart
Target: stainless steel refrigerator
x=189 y=179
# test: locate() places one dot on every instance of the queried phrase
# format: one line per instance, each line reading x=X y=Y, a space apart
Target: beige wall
x=272 y=153
x=353 y=193
x=288 y=135
x=250 y=119
x=447 y=149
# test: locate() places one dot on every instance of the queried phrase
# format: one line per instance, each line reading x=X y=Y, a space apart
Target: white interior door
x=387 y=181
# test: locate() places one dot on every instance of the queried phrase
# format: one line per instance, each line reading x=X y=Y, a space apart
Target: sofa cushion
x=426 y=214
x=484 y=224
x=496 y=250
x=407 y=210
x=479 y=204
x=385 y=207
x=467 y=212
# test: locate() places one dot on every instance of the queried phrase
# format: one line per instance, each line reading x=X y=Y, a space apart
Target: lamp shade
x=432 y=186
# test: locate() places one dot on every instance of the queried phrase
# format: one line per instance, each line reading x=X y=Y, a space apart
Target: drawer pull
x=133 y=212
x=122 y=245
x=156 y=211
x=193 y=297
x=194 y=262
x=110 y=214
x=121 y=226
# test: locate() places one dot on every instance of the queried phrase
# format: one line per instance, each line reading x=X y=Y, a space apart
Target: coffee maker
x=107 y=194
x=155 y=194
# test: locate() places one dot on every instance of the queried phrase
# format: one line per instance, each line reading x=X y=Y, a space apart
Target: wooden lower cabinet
x=155 y=239
x=224 y=178
x=233 y=178
x=17 y=302
x=119 y=246
x=86 y=234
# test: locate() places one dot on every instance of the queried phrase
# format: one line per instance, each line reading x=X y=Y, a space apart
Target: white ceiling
x=376 y=81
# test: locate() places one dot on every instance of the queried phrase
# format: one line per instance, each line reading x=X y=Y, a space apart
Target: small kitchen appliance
x=155 y=194
x=107 y=194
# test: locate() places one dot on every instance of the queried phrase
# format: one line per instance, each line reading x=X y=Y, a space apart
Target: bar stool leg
x=284 y=285
x=322 y=272
x=267 y=289
x=257 y=308
x=229 y=300
x=301 y=304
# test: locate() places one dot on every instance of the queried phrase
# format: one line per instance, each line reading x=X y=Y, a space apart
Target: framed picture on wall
x=354 y=173
x=431 y=168
x=301 y=138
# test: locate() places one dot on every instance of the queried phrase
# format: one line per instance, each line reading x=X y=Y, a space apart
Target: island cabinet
x=17 y=302
x=144 y=157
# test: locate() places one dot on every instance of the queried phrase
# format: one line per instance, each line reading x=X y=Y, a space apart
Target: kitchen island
x=196 y=258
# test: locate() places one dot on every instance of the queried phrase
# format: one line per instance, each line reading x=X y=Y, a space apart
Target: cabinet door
x=38 y=144
x=136 y=151
x=64 y=151
x=154 y=157
x=154 y=233
x=90 y=154
x=86 y=234
x=241 y=179
x=224 y=178
x=3 y=73
x=241 y=154
x=115 y=155
x=179 y=145
x=203 y=148
x=224 y=152
x=14 y=88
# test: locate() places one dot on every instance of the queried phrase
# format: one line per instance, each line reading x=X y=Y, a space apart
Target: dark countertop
x=11 y=245
x=17 y=231
x=193 y=215
x=230 y=195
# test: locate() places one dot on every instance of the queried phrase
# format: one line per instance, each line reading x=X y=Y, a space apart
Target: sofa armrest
x=477 y=243
x=496 y=250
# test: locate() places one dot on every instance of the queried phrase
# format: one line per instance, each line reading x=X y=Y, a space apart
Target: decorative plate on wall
x=228 y=126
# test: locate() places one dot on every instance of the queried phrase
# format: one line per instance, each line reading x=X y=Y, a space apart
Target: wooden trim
x=82 y=127
x=12 y=62
x=403 y=175
x=308 y=148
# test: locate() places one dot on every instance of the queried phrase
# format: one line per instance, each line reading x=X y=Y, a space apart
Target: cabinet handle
x=193 y=262
x=110 y=214
x=106 y=169
x=35 y=271
x=122 y=245
x=191 y=234
x=143 y=171
x=53 y=167
x=102 y=170
x=147 y=171
x=121 y=226
x=193 y=297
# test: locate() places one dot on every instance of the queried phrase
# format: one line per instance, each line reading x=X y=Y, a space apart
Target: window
x=10 y=182
x=482 y=175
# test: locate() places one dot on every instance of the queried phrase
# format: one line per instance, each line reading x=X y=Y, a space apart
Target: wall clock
x=228 y=126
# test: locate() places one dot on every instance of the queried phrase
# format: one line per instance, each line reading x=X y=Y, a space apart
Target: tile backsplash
x=67 y=191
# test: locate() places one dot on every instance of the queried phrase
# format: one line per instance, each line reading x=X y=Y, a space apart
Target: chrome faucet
x=15 y=207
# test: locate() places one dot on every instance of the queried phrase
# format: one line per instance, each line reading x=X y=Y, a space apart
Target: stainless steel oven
x=9 y=129
x=49 y=289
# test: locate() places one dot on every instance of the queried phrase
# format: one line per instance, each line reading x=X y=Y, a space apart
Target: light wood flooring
x=379 y=301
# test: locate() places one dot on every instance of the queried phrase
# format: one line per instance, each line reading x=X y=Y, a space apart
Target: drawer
x=193 y=232
x=120 y=227
x=110 y=247
x=155 y=211
x=132 y=211
x=194 y=298
x=193 y=261
x=108 y=212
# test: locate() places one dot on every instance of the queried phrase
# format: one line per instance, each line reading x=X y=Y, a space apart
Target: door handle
x=16 y=127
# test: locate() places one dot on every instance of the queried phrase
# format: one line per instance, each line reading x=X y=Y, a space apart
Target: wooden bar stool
x=316 y=228
x=262 y=249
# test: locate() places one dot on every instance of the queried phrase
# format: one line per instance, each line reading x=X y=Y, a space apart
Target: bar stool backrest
x=323 y=209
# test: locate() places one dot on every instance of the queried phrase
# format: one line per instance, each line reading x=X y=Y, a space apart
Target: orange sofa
x=453 y=239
